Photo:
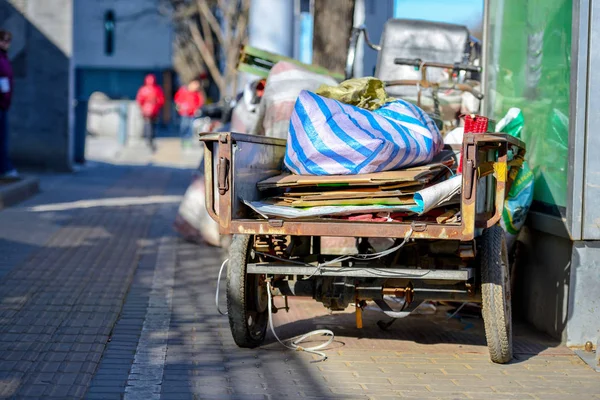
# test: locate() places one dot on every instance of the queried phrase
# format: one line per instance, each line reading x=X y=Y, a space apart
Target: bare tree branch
x=184 y=12
x=207 y=57
x=208 y=35
x=207 y=14
x=240 y=35
x=205 y=30
x=223 y=6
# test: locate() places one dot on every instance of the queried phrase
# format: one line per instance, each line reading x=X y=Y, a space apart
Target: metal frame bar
x=578 y=118
x=458 y=275
x=484 y=54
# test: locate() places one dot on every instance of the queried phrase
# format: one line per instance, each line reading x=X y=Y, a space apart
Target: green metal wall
x=529 y=67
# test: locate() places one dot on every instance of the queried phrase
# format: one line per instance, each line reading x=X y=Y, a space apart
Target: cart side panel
x=210 y=182
x=234 y=164
x=252 y=163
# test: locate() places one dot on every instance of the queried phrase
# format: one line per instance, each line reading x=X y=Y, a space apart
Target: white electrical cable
x=295 y=343
x=218 y=285
x=457 y=310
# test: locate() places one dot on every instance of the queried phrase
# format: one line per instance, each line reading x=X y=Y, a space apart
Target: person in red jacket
x=6 y=84
x=188 y=100
x=151 y=99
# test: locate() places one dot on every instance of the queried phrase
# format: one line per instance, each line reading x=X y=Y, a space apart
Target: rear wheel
x=247 y=298
x=495 y=293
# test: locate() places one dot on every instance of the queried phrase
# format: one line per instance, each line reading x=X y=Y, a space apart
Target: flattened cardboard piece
x=447 y=216
x=388 y=201
x=352 y=192
x=407 y=187
x=417 y=174
x=342 y=195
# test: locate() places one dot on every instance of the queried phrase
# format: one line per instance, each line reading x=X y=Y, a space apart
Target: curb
x=18 y=191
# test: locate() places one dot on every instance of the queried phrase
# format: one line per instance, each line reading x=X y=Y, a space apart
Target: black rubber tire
x=495 y=293
x=248 y=323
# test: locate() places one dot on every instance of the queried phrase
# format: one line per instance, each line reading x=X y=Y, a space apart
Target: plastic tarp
x=328 y=137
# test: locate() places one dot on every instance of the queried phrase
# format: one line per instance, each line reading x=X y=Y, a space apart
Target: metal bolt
x=589 y=346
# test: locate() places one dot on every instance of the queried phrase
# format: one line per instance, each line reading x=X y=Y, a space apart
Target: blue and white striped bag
x=327 y=137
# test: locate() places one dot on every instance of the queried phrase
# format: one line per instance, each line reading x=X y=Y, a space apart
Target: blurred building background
x=66 y=53
x=115 y=44
x=41 y=53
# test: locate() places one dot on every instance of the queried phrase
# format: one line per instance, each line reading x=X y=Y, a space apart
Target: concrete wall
x=557 y=285
x=584 y=302
x=143 y=37
x=40 y=114
x=271 y=26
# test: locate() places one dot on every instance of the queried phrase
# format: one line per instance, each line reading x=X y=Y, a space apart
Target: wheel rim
x=262 y=297
x=256 y=292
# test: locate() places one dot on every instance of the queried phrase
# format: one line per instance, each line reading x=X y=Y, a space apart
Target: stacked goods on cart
x=354 y=151
x=393 y=195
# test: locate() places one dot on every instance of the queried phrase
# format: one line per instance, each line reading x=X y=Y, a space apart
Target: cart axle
x=458 y=275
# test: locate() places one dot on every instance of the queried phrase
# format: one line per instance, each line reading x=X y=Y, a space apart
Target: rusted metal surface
x=339 y=228
x=209 y=182
x=500 y=175
x=252 y=162
x=398 y=292
x=242 y=137
x=223 y=173
x=225 y=199
x=241 y=161
x=240 y=177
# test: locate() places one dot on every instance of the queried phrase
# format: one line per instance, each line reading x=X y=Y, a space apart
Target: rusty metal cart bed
x=466 y=261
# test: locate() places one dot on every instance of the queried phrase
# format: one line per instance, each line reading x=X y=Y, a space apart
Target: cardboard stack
x=306 y=196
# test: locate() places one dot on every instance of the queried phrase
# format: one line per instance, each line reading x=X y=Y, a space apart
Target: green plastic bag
x=368 y=93
x=520 y=196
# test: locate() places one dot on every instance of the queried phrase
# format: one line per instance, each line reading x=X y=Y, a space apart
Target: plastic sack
x=243 y=119
x=284 y=84
x=193 y=222
x=245 y=113
x=520 y=195
x=328 y=137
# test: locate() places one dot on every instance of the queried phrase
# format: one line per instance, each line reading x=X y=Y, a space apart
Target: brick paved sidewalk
x=65 y=273
x=422 y=357
x=105 y=302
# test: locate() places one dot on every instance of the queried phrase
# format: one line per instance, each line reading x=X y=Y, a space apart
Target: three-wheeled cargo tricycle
x=465 y=260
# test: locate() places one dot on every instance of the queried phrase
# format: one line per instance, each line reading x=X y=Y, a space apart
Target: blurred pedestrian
x=6 y=87
x=151 y=99
x=188 y=101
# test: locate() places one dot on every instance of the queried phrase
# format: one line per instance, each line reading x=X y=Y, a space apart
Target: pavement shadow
x=202 y=359
x=416 y=333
